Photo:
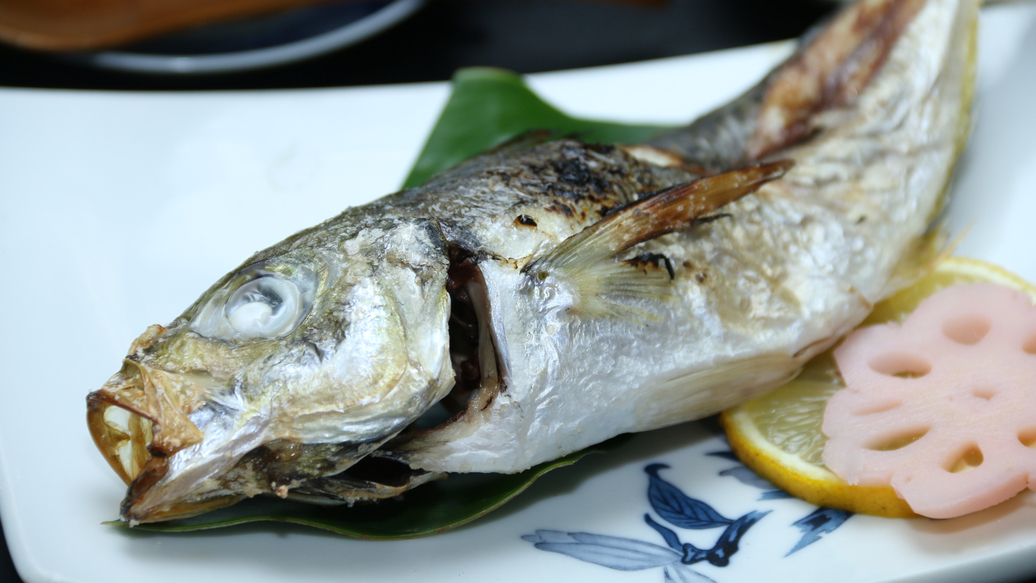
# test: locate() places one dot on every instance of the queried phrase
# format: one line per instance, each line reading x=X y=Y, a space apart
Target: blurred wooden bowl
x=76 y=25
x=64 y=25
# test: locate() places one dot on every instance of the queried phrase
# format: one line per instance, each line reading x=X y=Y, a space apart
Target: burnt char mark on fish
x=646 y=261
x=574 y=172
x=568 y=179
x=583 y=181
x=710 y=218
x=584 y=172
x=559 y=207
x=525 y=221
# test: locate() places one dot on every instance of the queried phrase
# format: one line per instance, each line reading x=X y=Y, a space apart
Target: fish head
x=292 y=367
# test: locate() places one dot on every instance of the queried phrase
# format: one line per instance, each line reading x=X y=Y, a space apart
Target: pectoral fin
x=587 y=261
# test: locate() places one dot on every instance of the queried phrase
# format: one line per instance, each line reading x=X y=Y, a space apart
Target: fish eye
x=265 y=307
x=260 y=304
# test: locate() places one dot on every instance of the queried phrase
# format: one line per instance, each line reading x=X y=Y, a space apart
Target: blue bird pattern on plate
x=681 y=511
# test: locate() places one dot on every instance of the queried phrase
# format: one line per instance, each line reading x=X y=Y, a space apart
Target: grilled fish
x=549 y=294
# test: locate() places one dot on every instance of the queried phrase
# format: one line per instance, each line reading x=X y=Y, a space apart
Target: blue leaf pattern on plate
x=727 y=544
x=683 y=511
x=820 y=522
x=670 y=537
x=624 y=554
x=678 y=508
x=748 y=477
x=774 y=495
x=682 y=574
x=719 y=555
x=725 y=454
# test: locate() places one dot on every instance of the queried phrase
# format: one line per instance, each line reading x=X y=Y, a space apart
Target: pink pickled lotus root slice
x=959 y=375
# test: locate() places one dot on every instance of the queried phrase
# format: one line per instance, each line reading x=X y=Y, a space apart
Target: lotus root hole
x=970 y=459
x=984 y=393
x=898 y=440
x=1030 y=345
x=967 y=329
x=901 y=364
x=1028 y=437
x=875 y=408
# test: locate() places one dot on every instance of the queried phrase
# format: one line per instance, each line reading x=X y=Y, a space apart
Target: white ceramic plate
x=117 y=210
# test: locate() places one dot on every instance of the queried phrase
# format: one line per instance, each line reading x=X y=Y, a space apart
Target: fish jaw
x=200 y=477
x=193 y=423
x=145 y=421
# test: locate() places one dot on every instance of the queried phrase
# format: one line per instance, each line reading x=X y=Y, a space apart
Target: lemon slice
x=778 y=435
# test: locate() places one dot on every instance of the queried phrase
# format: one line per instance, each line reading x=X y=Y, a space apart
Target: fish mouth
x=140 y=504
x=137 y=424
x=122 y=436
x=140 y=413
x=125 y=436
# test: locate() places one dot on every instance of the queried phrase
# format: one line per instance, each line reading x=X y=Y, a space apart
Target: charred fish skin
x=594 y=290
x=794 y=267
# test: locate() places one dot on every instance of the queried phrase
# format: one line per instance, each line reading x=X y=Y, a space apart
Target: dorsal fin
x=587 y=261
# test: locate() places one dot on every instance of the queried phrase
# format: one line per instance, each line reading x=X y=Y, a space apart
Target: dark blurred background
x=526 y=36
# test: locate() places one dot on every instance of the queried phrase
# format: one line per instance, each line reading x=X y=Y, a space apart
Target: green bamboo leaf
x=487 y=107
x=490 y=106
